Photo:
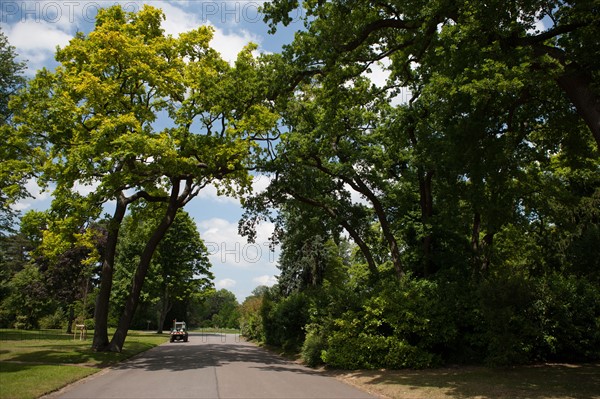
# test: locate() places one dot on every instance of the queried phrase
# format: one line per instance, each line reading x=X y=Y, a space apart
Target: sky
x=36 y=27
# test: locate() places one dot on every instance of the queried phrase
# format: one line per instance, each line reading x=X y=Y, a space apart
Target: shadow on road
x=211 y=350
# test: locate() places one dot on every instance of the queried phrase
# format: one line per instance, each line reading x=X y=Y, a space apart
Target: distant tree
x=71 y=273
x=27 y=300
x=220 y=310
x=179 y=270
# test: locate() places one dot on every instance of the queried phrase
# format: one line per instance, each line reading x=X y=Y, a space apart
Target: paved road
x=210 y=366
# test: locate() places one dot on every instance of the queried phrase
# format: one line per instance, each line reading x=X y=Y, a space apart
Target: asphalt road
x=209 y=366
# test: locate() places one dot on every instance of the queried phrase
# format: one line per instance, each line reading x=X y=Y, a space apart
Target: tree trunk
x=164 y=309
x=70 y=319
x=475 y=242
x=364 y=248
x=118 y=339
x=358 y=185
x=426 y=203
x=577 y=85
x=488 y=241
x=100 y=341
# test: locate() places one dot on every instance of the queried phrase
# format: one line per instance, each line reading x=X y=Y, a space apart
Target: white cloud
x=226 y=246
x=260 y=183
x=178 y=20
x=380 y=72
x=85 y=189
x=267 y=280
x=38 y=195
x=226 y=283
x=210 y=193
x=538 y=27
x=356 y=197
x=229 y=44
x=36 y=41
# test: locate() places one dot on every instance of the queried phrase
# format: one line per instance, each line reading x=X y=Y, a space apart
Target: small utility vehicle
x=179 y=331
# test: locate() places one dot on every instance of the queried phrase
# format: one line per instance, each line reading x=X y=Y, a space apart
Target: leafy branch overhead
x=456 y=40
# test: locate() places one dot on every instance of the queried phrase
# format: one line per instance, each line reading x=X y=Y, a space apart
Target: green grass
x=23 y=380
x=33 y=363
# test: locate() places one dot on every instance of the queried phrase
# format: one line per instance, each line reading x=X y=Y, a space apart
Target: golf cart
x=179 y=331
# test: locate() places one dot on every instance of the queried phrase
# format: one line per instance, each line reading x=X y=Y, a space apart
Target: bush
x=569 y=312
x=313 y=347
x=53 y=321
x=510 y=324
x=284 y=321
x=374 y=352
x=402 y=325
x=90 y=324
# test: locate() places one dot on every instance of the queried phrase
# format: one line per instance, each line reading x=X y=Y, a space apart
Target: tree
x=484 y=179
x=220 y=310
x=425 y=41
x=179 y=268
x=184 y=265
x=70 y=268
x=96 y=117
x=14 y=168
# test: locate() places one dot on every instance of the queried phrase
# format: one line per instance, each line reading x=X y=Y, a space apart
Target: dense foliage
x=14 y=168
x=472 y=203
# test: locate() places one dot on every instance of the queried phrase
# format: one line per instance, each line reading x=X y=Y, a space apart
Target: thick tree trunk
x=577 y=85
x=475 y=232
x=364 y=249
x=488 y=242
x=386 y=228
x=118 y=339
x=100 y=341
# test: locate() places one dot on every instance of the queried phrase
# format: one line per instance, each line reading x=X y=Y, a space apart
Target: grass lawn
x=33 y=363
x=549 y=381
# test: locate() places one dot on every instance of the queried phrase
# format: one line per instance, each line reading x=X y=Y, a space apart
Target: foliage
x=15 y=167
x=93 y=118
x=456 y=145
x=218 y=309
x=27 y=301
x=312 y=348
x=53 y=321
x=179 y=271
x=284 y=321
x=251 y=323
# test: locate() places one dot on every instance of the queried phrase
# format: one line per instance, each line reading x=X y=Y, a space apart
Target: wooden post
x=82 y=332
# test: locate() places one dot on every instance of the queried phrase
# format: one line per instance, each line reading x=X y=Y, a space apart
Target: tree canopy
x=14 y=168
x=96 y=118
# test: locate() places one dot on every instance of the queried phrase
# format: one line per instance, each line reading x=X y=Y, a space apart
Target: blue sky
x=35 y=28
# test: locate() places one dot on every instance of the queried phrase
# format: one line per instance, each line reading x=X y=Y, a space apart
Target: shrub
x=53 y=321
x=284 y=321
x=313 y=347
